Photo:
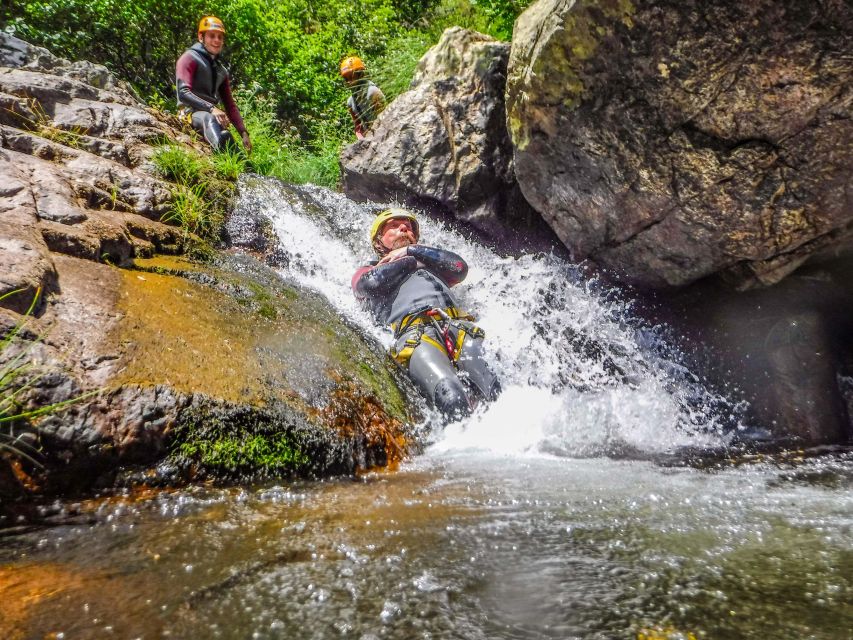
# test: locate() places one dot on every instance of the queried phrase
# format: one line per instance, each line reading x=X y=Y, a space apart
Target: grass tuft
x=202 y=188
x=228 y=165
x=177 y=164
x=15 y=380
x=191 y=211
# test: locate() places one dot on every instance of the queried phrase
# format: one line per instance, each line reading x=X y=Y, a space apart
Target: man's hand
x=393 y=255
x=247 y=144
x=221 y=117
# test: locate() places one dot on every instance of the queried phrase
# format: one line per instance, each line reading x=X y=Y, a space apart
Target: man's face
x=213 y=41
x=396 y=233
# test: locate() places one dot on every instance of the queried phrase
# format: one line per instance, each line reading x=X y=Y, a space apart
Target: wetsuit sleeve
x=356 y=123
x=230 y=106
x=382 y=280
x=184 y=73
x=447 y=265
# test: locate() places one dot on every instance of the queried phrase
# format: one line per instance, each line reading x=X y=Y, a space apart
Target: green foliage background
x=283 y=54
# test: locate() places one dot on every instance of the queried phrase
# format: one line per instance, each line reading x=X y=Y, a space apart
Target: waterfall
x=581 y=375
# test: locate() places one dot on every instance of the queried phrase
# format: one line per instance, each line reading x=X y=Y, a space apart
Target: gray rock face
x=25 y=262
x=18 y=54
x=71 y=138
x=670 y=141
x=443 y=144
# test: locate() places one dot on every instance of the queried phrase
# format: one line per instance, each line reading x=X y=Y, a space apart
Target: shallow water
x=461 y=544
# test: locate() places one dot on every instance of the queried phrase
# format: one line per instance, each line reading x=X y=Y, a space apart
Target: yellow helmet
x=211 y=23
x=350 y=65
x=384 y=216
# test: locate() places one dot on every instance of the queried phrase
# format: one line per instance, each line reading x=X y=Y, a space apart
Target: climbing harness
x=420 y=317
x=443 y=332
x=442 y=320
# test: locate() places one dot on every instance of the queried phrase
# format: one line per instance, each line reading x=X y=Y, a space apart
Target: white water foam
x=580 y=376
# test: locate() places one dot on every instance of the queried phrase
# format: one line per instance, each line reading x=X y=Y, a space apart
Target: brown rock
x=443 y=144
x=669 y=142
x=195 y=347
x=25 y=261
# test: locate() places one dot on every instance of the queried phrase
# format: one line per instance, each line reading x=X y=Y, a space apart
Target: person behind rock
x=408 y=289
x=203 y=82
x=367 y=100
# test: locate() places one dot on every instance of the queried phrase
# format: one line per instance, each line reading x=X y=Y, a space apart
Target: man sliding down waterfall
x=408 y=288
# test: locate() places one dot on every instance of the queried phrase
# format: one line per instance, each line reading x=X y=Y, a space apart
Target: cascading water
x=580 y=376
x=535 y=518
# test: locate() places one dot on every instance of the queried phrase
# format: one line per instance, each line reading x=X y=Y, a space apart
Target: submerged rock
x=672 y=141
x=443 y=146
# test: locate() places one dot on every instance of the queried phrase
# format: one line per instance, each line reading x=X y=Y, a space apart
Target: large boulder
x=225 y=369
x=669 y=141
x=443 y=146
x=210 y=365
x=72 y=139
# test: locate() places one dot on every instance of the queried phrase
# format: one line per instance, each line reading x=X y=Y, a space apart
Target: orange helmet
x=350 y=65
x=211 y=23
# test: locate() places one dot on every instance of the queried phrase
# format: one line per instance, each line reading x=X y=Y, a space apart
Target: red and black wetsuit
x=420 y=280
x=398 y=294
x=203 y=82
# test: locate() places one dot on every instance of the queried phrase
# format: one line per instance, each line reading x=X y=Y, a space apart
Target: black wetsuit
x=203 y=82
x=366 y=102
x=398 y=294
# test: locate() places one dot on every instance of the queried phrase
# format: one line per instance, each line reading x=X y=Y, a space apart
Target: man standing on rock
x=203 y=82
x=367 y=100
x=408 y=288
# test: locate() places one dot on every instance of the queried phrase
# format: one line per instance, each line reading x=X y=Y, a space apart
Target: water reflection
x=453 y=546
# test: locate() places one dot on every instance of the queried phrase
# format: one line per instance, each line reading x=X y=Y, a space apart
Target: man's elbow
x=458 y=272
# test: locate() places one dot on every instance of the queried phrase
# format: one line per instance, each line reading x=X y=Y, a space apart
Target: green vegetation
x=204 y=186
x=177 y=164
x=16 y=377
x=271 y=454
x=283 y=55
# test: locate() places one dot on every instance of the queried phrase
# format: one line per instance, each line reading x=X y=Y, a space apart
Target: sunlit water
x=546 y=515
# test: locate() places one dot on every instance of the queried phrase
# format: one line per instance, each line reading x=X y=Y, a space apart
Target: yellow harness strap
x=405 y=354
x=420 y=318
x=185 y=114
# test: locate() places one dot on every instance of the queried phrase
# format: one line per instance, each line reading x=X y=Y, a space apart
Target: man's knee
x=451 y=399
x=208 y=126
